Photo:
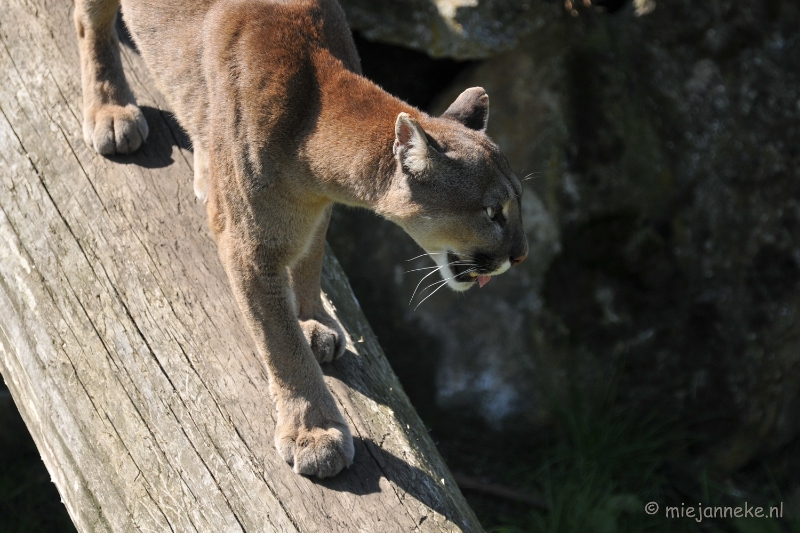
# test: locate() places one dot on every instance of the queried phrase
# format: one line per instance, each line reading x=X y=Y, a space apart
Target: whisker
x=423 y=268
x=420 y=283
x=470 y=265
x=531 y=176
x=459 y=263
x=423 y=255
x=434 y=291
x=428 y=296
x=433 y=270
x=442 y=281
x=437 y=282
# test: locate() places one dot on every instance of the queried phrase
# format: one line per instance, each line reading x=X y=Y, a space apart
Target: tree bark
x=124 y=350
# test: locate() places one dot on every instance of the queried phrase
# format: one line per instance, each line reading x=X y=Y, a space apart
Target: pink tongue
x=483 y=280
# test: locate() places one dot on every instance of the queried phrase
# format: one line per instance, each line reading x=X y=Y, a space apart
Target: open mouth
x=465 y=271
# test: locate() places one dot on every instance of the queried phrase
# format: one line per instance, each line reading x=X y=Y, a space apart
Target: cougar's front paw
x=113 y=129
x=317 y=451
x=327 y=340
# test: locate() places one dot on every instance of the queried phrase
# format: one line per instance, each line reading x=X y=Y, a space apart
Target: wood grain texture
x=123 y=348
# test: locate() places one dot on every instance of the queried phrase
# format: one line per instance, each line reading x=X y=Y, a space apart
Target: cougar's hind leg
x=112 y=123
x=322 y=331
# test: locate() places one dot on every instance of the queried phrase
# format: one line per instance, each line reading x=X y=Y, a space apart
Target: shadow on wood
x=165 y=134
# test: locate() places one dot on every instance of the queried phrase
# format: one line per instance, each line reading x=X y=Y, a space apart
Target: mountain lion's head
x=455 y=193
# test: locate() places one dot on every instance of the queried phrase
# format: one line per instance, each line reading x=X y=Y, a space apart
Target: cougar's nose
x=517 y=260
x=519 y=251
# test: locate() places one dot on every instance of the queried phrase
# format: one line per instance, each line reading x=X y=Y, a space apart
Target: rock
x=461 y=29
x=667 y=152
x=663 y=211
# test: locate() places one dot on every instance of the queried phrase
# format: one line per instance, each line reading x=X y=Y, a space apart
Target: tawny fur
x=283 y=125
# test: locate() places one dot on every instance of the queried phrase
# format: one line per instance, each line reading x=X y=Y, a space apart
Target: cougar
x=283 y=125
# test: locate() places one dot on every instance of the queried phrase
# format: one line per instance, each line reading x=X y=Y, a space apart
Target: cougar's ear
x=410 y=144
x=471 y=108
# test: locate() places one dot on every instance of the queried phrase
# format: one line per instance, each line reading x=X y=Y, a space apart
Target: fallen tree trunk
x=124 y=350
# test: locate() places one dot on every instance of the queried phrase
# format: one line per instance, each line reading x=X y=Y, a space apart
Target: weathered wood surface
x=123 y=348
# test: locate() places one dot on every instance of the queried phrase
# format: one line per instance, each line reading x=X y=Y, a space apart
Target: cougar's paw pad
x=327 y=342
x=317 y=452
x=114 y=129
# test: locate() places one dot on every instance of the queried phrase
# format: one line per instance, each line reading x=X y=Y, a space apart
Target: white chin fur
x=448 y=274
x=461 y=286
x=505 y=266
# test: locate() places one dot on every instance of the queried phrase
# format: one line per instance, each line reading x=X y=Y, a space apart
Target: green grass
x=599 y=471
x=602 y=466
